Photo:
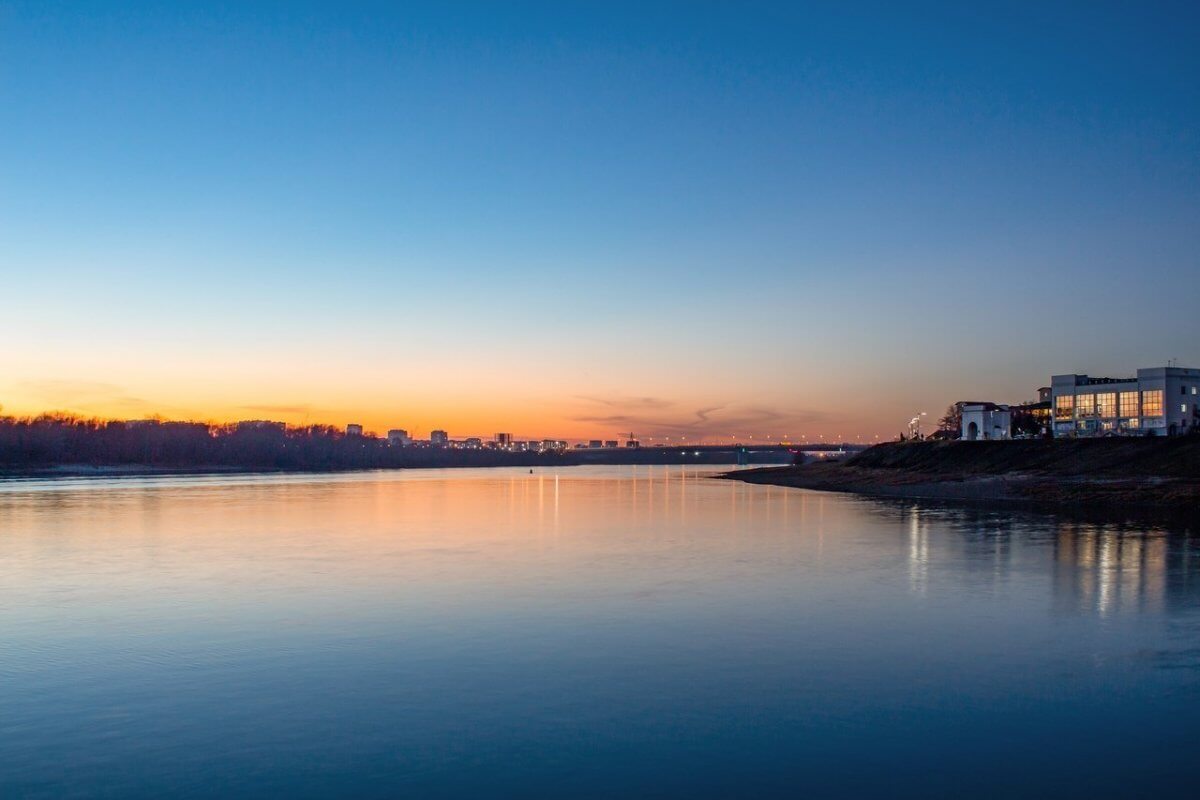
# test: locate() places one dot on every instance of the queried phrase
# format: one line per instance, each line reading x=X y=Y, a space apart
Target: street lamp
x=914 y=426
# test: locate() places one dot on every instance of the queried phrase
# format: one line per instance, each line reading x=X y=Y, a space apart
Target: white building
x=398 y=437
x=1160 y=401
x=986 y=421
x=353 y=429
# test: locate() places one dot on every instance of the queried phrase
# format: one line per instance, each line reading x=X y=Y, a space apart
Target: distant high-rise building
x=504 y=440
x=595 y=444
x=473 y=443
x=354 y=429
x=439 y=438
x=611 y=443
x=398 y=437
x=633 y=444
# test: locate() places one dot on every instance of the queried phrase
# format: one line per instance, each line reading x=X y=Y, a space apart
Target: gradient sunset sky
x=581 y=219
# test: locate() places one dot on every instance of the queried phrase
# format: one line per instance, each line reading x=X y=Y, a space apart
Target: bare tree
x=951 y=421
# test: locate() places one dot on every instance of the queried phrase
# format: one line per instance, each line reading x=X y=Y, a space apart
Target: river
x=586 y=631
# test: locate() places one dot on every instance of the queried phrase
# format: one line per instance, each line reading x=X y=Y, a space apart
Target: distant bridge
x=710 y=453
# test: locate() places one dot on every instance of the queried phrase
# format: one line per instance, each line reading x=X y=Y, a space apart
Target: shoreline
x=1042 y=476
x=121 y=471
x=1008 y=488
x=134 y=471
x=143 y=471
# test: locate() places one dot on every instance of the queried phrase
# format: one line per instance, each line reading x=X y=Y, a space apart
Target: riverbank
x=1134 y=473
x=144 y=471
x=119 y=471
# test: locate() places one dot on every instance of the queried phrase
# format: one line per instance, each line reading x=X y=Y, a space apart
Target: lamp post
x=914 y=426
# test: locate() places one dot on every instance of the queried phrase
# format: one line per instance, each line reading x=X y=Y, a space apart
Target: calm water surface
x=590 y=631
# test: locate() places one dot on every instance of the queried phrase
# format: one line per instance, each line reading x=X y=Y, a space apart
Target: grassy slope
x=1094 y=471
x=1115 y=458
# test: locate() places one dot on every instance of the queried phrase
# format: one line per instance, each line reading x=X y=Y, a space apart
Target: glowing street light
x=914 y=426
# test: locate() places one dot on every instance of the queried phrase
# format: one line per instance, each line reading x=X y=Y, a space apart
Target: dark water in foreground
x=599 y=631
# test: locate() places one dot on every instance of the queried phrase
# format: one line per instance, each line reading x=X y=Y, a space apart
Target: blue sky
x=831 y=214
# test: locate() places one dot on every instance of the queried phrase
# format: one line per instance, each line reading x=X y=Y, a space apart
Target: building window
x=1085 y=404
x=1193 y=390
x=1133 y=423
x=1064 y=404
x=1106 y=404
x=1183 y=408
x=1129 y=404
x=1152 y=403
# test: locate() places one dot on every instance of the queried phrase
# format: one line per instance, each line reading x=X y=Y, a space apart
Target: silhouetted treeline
x=57 y=440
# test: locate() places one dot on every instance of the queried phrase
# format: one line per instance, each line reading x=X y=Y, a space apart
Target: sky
x=583 y=220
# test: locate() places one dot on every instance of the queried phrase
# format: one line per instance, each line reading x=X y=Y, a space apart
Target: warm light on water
x=605 y=631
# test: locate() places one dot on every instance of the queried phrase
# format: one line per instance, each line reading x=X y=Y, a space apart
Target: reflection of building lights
x=1109 y=570
x=918 y=553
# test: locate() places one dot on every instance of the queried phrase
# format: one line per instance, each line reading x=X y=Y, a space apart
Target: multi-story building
x=504 y=440
x=354 y=429
x=1160 y=401
x=398 y=437
x=439 y=438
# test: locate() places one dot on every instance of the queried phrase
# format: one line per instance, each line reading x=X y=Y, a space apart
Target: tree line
x=57 y=440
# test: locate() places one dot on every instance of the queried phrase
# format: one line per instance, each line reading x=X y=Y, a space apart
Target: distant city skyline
x=443 y=436
x=578 y=219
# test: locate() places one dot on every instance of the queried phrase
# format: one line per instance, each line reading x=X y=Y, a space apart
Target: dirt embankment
x=1134 y=472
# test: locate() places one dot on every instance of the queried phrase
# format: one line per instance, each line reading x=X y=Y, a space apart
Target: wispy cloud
x=52 y=390
x=79 y=394
x=628 y=402
x=296 y=410
x=663 y=418
x=92 y=398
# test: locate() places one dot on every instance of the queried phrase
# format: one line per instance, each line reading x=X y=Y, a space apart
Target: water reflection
x=1100 y=568
x=1111 y=569
x=640 y=628
x=1093 y=567
x=918 y=551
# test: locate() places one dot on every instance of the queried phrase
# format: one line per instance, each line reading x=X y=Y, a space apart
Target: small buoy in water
x=530 y=472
